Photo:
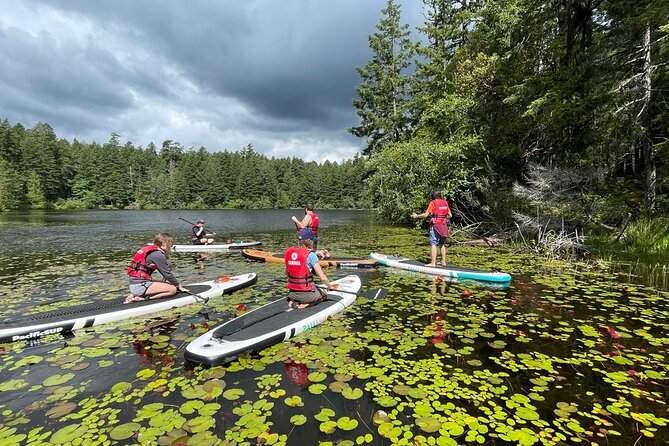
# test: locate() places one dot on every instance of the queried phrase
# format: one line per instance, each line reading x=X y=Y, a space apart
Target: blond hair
x=308 y=243
x=164 y=240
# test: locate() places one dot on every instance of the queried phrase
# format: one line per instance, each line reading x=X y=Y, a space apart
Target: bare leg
x=433 y=255
x=161 y=289
x=443 y=255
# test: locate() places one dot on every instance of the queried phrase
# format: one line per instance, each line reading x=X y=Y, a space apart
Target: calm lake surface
x=565 y=354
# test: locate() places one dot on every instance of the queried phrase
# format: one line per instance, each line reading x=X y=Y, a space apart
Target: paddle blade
x=378 y=293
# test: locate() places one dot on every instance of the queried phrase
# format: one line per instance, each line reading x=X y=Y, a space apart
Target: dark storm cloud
x=212 y=73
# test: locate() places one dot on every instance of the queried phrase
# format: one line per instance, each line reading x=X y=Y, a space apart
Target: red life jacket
x=299 y=276
x=138 y=266
x=315 y=221
x=441 y=207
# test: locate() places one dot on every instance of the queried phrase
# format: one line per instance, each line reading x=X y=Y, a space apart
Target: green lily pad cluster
x=565 y=355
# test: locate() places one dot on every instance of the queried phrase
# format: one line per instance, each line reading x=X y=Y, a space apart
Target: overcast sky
x=279 y=74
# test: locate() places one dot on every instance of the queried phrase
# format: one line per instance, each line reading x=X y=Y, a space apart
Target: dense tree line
x=38 y=170
x=496 y=92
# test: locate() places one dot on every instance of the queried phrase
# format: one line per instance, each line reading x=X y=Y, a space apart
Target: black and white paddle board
x=22 y=327
x=268 y=325
x=213 y=247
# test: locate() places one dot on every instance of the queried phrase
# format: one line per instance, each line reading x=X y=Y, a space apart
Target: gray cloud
x=279 y=75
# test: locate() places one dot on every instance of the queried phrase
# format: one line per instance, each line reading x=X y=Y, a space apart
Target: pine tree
x=383 y=101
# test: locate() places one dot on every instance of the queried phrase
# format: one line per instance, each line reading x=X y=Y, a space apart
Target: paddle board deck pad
x=96 y=313
x=454 y=272
x=336 y=262
x=268 y=325
x=237 y=244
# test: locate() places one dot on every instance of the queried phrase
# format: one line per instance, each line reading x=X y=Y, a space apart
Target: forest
x=545 y=118
x=38 y=171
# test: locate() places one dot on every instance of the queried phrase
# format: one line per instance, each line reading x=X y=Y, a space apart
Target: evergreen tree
x=383 y=101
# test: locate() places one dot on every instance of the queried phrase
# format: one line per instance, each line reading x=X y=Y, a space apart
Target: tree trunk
x=647 y=146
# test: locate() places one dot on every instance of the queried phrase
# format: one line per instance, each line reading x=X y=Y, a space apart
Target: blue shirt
x=312 y=259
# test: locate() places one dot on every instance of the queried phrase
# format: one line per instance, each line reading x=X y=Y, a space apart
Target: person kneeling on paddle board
x=301 y=263
x=144 y=263
x=439 y=213
x=198 y=234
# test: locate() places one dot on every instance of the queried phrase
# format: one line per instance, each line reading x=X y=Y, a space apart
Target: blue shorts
x=435 y=238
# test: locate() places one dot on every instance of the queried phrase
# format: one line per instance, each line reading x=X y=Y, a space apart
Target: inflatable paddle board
x=268 y=325
x=454 y=272
x=237 y=244
x=336 y=262
x=33 y=326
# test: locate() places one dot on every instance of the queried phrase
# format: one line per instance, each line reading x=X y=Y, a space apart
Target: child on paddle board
x=301 y=263
x=198 y=234
x=144 y=263
x=439 y=213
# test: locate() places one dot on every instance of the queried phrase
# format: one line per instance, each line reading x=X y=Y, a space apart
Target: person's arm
x=312 y=262
x=158 y=258
x=302 y=224
x=423 y=215
x=200 y=232
x=321 y=275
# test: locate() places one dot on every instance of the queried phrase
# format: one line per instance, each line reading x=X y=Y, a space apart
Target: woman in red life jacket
x=310 y=221
x=144 y=263
x=301 y=263
x=439 y=213
x=199 y=235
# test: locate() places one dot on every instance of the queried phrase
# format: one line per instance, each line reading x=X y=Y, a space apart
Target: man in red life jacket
x=439 y=213
x=310 y=221
x=145 y=262
x=301 y=263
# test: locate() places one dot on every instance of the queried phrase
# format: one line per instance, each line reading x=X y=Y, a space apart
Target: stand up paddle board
x=454 y=272
x=237 y=244
x=336 y=262
x=268 y=325
x=96 y=313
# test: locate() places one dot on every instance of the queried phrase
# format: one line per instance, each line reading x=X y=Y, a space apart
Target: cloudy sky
x=279 y=74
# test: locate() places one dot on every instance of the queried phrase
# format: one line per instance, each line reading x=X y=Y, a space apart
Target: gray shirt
x=158 y=259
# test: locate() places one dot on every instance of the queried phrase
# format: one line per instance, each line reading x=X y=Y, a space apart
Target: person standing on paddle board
x=311 y=221
x=144 y=263
x=199 y=235
x=439 y=213
x=301 y=263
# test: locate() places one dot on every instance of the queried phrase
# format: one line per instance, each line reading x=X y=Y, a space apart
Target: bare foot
x=130 y=298
x=302 y=306
x=430 y=264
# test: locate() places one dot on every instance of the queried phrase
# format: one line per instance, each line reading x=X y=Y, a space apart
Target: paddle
x=378 y=293
x=198 y=297
x=193 y=224
x=233 y=328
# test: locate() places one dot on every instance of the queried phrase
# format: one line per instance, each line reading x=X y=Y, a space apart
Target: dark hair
x=309 y=207
x=436 y=194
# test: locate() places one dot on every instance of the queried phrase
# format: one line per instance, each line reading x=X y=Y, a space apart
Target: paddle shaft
x=191 y=223
x=198 y=297
x=370 y=294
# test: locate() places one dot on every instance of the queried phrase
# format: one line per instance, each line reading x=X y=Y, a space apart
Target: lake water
x=565 y=354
